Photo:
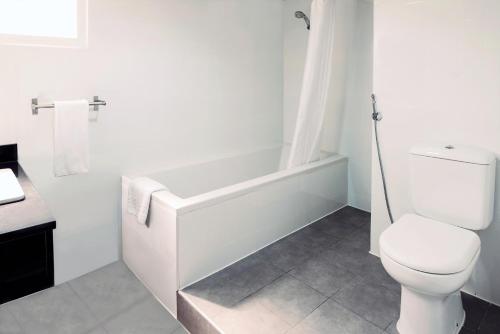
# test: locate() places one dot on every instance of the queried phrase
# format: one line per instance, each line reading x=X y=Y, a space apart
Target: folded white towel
x=139 y=196
x=71 y=137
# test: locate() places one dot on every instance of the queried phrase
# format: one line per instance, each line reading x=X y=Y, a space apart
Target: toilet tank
x=453 y=184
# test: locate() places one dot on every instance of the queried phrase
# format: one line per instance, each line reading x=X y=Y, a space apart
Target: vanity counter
x=29 y=212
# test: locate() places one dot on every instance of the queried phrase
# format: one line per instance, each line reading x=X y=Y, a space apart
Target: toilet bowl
x=432 y=253
x=432 y=261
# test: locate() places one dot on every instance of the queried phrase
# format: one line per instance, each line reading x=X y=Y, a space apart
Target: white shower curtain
x=315 y=85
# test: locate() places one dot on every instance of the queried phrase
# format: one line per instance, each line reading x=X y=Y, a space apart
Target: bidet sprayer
x=376 y=116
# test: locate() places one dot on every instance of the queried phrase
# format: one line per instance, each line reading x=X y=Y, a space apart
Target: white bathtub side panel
x=213 y=237
x=151 y=253
x=325 y=186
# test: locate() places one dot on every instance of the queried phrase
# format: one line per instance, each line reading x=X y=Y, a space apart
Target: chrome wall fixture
x=95 y=104
x=377 y=117
x=300 y=15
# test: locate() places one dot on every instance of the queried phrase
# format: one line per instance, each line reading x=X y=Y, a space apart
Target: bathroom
x=189 y=93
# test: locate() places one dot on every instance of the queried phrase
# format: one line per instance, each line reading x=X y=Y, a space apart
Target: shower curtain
x=315 y=85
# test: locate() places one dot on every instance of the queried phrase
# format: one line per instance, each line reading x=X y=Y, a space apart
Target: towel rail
x=35 y=106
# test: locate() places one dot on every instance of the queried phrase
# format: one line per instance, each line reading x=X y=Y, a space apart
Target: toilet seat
x=428 y=246
x=427 y=283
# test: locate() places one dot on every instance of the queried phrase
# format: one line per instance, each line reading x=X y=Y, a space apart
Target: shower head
x=301 y=15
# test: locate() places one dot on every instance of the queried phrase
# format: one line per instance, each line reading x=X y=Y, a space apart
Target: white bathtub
x=218 y=212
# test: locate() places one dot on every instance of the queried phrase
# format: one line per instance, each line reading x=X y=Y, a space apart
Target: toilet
x=433 y=251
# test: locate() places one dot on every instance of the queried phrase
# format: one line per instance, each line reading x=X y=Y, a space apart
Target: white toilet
x=432 y=253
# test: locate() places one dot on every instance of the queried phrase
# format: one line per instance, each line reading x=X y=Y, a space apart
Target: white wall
x=355 y=141
x=437 y=78
x=185 y=80
x=347 y=122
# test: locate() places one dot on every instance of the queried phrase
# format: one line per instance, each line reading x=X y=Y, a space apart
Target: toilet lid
x=429 y=246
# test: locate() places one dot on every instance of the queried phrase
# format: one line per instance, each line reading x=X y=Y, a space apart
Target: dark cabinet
x=26 y=261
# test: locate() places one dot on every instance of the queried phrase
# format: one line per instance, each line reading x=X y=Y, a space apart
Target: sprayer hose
x=375 y=122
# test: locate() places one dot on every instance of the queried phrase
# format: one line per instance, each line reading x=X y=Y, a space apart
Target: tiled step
x=320 y=279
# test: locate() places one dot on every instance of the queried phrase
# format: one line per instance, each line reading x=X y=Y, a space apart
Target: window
x=43 y=22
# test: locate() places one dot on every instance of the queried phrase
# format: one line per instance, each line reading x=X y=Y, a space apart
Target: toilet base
x=426 y=314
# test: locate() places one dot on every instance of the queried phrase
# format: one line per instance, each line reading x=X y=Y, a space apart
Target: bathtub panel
x=216 y=236
x=150 y=252
x=227 y=231
x=326 y=188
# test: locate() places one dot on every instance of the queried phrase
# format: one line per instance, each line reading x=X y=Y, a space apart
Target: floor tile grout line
x=260 y=289
x=297 y=324
x=25 y=298
x=326 y=298
x=84 y=303
x=343 y=266
x=124 y=310
x=359 y=315
x=94 y=325
x=339 y=266
x=326 y=248
x=104 y=329
x=281 y=274
x=307 y=283
x=387 y=327
x=341 y=305
x=23 y=330
x=97 y=327
x=353 y=311
x=101 y=323
x=114 y=315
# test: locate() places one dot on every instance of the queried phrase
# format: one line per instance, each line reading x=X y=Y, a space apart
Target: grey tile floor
x=107 y=301
x=320 y=279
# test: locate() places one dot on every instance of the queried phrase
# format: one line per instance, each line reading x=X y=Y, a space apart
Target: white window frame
x=43 y=41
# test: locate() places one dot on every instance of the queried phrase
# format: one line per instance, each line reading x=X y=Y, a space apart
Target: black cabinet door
x=26 y=262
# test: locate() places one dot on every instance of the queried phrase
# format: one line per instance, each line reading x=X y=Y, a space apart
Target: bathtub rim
x=210 y=198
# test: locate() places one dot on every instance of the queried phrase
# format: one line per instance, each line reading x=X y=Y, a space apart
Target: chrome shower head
x=301 y=15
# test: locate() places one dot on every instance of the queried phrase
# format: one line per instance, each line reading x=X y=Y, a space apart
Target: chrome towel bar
x=35 y=106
